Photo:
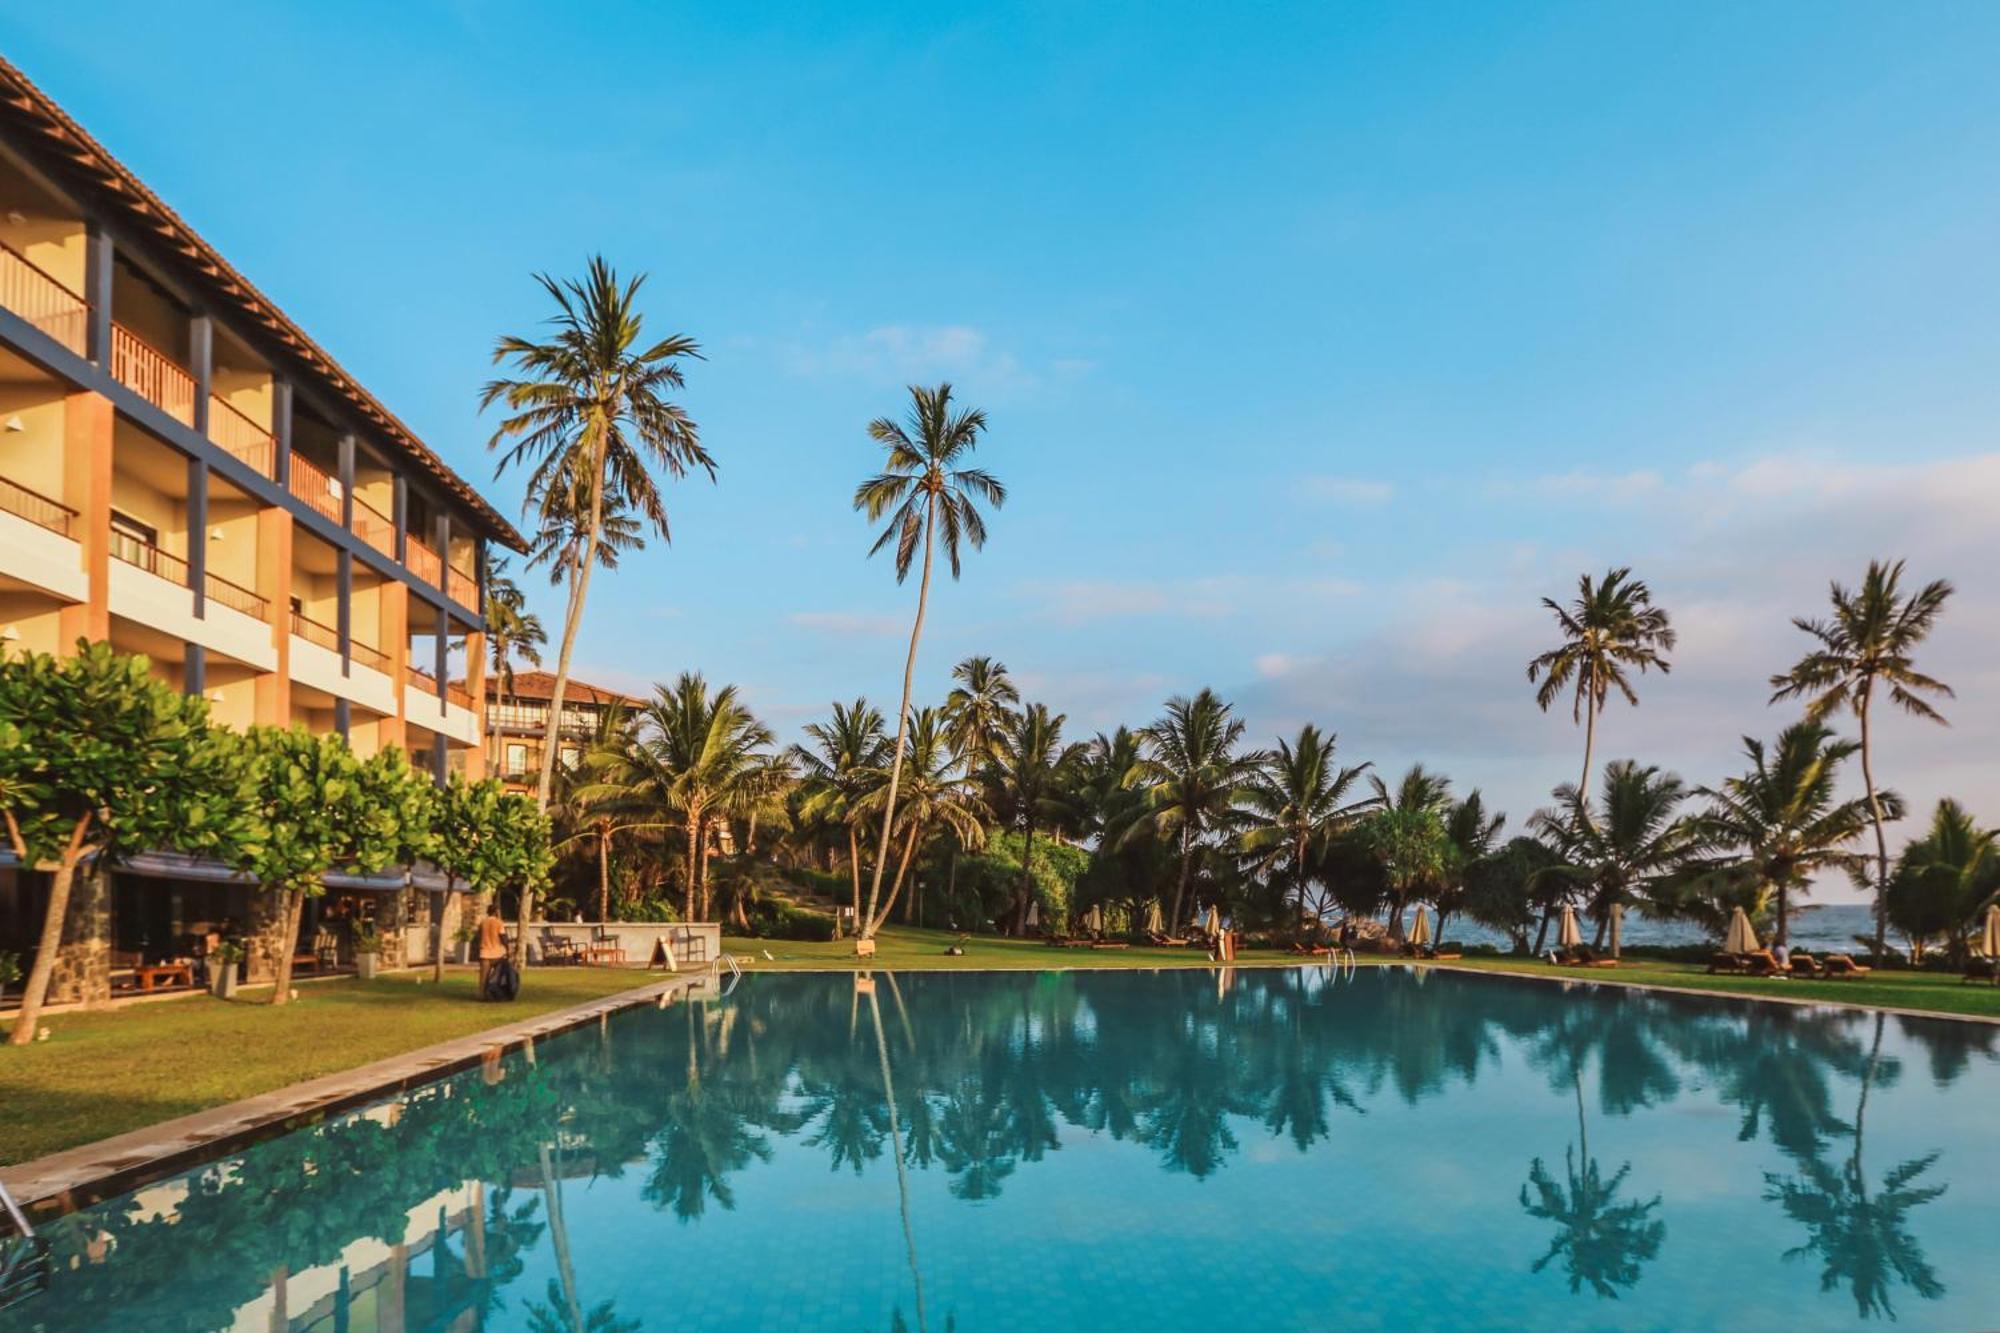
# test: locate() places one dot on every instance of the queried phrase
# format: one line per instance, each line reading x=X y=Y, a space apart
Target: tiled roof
x=534 y=686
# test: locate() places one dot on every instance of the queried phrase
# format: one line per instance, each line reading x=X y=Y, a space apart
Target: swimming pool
x=1249 y=1148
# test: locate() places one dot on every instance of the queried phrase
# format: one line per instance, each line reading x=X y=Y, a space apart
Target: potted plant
x=223 y=963
x=10 y=971
x=462 y=944
x=367 y=950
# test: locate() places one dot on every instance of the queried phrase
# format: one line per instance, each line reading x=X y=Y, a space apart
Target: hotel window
x=133 y=541
x=517 y=758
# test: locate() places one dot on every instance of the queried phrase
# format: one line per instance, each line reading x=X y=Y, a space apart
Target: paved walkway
x=78 y=1177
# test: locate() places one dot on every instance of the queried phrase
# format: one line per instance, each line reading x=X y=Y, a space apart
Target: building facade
x=185 y=473
x=517 y=715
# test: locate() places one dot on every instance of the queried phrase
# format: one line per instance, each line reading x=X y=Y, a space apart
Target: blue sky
x=1319 y=341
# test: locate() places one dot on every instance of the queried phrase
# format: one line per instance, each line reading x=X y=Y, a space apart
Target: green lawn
x=909 y=949
x=103 y=1073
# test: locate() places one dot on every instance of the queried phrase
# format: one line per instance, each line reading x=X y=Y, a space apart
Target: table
x=604 y=951
x=155 y=974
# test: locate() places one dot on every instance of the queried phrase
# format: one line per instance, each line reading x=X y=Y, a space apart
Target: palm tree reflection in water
x=1601 y=1241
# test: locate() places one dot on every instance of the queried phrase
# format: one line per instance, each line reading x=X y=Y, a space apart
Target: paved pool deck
x=63 y=1182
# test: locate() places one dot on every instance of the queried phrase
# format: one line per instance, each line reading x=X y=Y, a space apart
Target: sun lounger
x=1842 y=966
x=1981 y=969
x=1169 y=941
x=1805 y=965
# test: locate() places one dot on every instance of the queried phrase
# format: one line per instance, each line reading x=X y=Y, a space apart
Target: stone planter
x=368 y=965
x=461 y=951
x=223 y=980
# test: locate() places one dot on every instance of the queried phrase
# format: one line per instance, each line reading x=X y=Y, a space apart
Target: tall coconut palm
x=1028 y=785
x=589 y=415
x=930 y=497
x=1611 y=627
x=935 y=796
x=590 y=806
x=838 y=770
x=1298 y=799
x=695 y=759
x=976 y=710
x=1194 y=777
x=511 y=631
x=1870 y=640
x=1780 y=824
x=1632 y=846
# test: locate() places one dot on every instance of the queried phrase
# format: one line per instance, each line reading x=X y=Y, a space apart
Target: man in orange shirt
x=492 y=943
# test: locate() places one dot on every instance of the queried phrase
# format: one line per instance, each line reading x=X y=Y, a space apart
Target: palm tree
x=1632 y=846
x=936 y=795
x=977 y=709
x=847 y=755
x=928 y=497
x=1295 y=803
x=591 y=808
x=1027 y=780
x=1470 y=831
x=588 y=413
x=1779 y=825
x=1945 y=879
x=694 y=759
x=1610 y=627
x=1193 y=777
x=1870 y=640
x=511 y=630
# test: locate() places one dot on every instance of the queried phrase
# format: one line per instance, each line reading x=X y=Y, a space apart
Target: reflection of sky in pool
x=1264 y=1149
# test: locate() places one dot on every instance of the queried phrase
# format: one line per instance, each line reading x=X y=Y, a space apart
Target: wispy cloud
x=1348 y=490
x=853 y=624
x=913 y=353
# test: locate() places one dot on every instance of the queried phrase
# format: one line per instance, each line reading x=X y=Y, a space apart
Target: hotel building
x=185 y=473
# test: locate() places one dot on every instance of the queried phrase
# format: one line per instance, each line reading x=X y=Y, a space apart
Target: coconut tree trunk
x=1027 y=879
x=1784 y=916
x=707 y=902
x=288 y=944
x=869 y=922
x=1589 y=744
x=902 y=869
x=28 y=1020
x=603 y=873
x=854 y=870
x=438 y=904
x=579 y=590
x=559 y=1233
x=693 y=855
x=1186 y=878
x=1881 y=839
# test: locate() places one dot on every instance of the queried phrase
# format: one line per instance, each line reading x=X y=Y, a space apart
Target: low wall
x=696 y=943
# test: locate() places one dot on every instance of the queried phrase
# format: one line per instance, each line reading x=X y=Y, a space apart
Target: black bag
x=502 y=981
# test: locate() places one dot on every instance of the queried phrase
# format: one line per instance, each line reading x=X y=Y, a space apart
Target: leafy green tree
x=1194 y=777
x=842 y=766
x=1411 y=846
x=100 y=760
x=930 y=496
x=1945 y=879
x=323 y=810
x=1781 y=824
x=1509 y=889
x=1028 y=785
x=1298 y=799
x=1870 y=641
x=487 y=839
x=1471 y=830
x=589 y=413
x=1610 y=628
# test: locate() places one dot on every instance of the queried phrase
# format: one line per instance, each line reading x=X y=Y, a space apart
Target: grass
x=115 y=1070
x=107 y=1072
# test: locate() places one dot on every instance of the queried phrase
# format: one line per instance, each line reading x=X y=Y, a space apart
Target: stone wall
x=261 y=934
x=83 y=962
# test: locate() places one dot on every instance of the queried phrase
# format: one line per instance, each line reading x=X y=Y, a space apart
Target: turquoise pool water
x=1248 y=1149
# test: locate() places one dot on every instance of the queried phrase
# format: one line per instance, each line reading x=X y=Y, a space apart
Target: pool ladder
x=24 y=1269
x=728 y=960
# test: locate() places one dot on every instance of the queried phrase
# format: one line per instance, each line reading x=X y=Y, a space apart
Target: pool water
x=1233 y=1149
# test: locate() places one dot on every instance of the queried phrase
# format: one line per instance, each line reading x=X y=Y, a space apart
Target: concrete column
x=274 y=582
x=201 y=353
x=194 y=669
x=97 y=271
x=342 y=717
x=197 y=524
x=396 y=647
x=87 y=434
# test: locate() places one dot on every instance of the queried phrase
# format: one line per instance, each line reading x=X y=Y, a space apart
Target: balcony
x=241 y=437
x=41 y=300
x=152 y=374
x=461 y=587
x=319 y=491
x=424 y=562
x=38 y=509
x=326 y=636
x=373 y=527
x=236 y=597
x=363 y=655
x=144 y=555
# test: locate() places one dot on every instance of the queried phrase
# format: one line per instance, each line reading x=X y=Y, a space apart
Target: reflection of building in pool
x=186 y=474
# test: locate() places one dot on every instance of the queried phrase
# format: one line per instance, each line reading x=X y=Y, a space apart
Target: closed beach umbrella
x=1989 y=939
x=1093 y=920
x=1740 y=939
x=1034 y=914
x=1568 y=936
x=1420 y=932
x=1153 y=917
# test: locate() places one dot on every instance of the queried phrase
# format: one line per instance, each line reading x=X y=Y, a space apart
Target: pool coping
x=62 y=1182
x=1797 y=1001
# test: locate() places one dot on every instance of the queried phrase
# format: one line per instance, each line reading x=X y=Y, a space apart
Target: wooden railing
x=372 y=658
x=455 y=691
x=424 y=562
x=418 y=679
x=326 y=636
x=152 y=374
x=461 y=587
x=43 y=301
x=144 y=555
x=313 y=486
x=37 y=508
x=373 y=527
x=241 y=436
x=234 y=596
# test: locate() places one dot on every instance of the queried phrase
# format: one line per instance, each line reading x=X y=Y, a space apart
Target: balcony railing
x=234 y=596
x=372 y=527
x=41 y=300
x=420 y=680
x=461 y=587
x=241 y=436
x=326 y=636
x=318 y=490
x=423 y=562
x=372 y=658
x=455 y=691
x=150 y=373
x=37 y=508
x=144 y=555
x=533 y=719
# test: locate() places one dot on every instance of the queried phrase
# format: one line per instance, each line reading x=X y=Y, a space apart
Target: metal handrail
x=23 y=1276
x=14 y=1213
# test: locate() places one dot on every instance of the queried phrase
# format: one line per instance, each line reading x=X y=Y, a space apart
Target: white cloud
x=1349 y=490
x=923 y=353
x=846 y=623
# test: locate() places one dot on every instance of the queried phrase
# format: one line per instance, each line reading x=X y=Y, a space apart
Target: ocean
x=1817 y=929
